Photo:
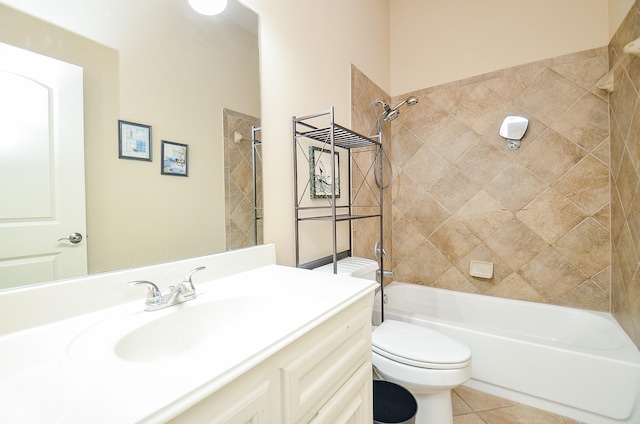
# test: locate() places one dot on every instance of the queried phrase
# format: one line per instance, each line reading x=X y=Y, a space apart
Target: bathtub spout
x=386 y=273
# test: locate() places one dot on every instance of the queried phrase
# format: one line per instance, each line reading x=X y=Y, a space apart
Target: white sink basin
x=170 y=333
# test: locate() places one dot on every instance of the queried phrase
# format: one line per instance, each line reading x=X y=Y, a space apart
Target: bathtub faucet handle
x=380 y=252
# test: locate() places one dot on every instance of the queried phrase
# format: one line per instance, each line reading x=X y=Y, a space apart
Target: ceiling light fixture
x=208 y=7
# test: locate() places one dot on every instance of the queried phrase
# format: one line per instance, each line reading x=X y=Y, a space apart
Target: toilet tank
x=353 y=267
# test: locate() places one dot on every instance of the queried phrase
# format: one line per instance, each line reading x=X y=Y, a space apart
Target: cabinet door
x=352 y=404
x=234 y=404
x=328 y=360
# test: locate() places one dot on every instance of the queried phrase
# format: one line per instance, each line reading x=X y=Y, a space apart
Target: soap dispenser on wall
x=513 y=129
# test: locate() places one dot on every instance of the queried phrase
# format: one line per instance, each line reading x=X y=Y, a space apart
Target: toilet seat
x=419 y=346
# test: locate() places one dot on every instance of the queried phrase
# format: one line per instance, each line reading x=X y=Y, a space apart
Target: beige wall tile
x=549 y=96
x=238 y=180
x=453 y=279
x=516 y=243
x=551 y=275
x=452 y=191
x=454 y=239
x=426 y=166
x=588 y=295
x=501 y=269
x=587 y=247
x=481 y=163
x=451 y=138
x=483 y=215
x=459 y=194
x=585 y=72
x=623 y=99
x=550 y=156
x=515 y=287
x=586 y=185
x=515 y=187
x=551 y=226
x=586 y=122
x=626 y=182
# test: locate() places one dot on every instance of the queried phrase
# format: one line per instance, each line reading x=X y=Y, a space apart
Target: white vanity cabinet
x=323 y=376
x=261 y=343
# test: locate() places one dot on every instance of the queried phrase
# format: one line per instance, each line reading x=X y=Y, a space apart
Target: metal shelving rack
x=256 y=159
x=308 y=132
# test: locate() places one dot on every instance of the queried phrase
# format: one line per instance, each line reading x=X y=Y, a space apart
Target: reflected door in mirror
x=41 y=169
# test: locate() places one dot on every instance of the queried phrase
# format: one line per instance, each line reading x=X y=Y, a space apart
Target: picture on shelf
x=321 y=175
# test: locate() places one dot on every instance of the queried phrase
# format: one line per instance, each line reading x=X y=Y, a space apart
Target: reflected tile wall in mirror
x=238 y=180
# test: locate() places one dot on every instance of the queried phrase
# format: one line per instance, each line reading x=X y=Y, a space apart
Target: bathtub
x=571 y=362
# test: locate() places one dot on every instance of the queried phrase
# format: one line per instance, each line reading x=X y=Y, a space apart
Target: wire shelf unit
x=363 y=199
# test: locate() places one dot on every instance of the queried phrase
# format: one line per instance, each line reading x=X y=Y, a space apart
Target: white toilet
x=423 y=361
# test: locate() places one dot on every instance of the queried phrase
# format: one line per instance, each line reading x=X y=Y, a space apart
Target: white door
x=42 y=197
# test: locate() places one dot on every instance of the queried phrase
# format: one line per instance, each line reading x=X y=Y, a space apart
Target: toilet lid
x=419 y=346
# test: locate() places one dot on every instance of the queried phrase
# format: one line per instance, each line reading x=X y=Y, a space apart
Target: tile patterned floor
x=475 y=407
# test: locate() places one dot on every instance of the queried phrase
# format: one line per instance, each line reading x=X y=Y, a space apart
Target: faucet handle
x=193 y=271
x=188 y=290
x=154 y=296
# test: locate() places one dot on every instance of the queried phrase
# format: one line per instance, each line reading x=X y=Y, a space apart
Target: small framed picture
x=320 y=174
x=175 y=159
x=134 y=141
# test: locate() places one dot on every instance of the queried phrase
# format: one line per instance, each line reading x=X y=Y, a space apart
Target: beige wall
x=306 y=50
x=306 y=65
x=439 y=41
x=305 y=68
x=618 y=9
x=174 y=70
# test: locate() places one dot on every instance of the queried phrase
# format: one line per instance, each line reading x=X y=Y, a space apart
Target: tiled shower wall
x=364 y=114
x=238 y=181
x=540 y=214
x=625 y=170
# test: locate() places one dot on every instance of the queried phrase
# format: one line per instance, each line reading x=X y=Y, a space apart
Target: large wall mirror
x=160 y=64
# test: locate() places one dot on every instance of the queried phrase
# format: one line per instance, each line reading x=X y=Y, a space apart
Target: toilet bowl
x=423 y=361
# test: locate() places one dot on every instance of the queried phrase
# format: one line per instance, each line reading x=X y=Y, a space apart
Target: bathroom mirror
x=156 y=63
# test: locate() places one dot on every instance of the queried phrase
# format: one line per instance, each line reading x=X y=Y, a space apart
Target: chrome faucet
x=182 y=292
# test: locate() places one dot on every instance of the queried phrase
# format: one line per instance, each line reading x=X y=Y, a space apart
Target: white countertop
x=69 y=372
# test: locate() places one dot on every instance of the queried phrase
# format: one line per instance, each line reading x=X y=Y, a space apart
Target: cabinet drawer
x=353 y=404
x=235 y=404
x=325 y=365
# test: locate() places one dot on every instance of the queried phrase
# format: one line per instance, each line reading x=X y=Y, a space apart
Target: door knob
x=73 y=238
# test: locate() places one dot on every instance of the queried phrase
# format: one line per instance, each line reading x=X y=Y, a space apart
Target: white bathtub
x=572 y=362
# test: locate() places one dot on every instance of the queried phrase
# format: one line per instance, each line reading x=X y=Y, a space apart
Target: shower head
x=389 y=113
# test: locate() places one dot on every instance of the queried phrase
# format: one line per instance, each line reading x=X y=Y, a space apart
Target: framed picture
x=175 y=159
x=134 y=141
x=320 y=174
